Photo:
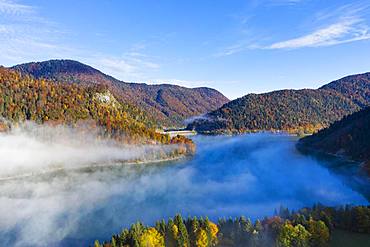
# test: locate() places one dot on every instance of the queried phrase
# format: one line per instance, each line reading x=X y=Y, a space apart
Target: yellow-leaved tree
x=214 y=230
x=151 y=238
x=202 y=239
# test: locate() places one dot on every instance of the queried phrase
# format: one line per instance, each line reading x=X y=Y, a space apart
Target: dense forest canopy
x=308 y=227
x=298 y=111
x=355 y=87
x=25 y=98
x=289 y=110
x=167 y=105
x=349 y=136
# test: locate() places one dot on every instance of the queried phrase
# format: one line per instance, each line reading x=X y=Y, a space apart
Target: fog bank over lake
x=229 y=176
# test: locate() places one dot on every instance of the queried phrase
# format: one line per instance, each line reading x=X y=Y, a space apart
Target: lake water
x=229 y=176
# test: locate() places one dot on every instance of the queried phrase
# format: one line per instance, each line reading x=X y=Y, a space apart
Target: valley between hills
x=86 y=123
x=69 y=92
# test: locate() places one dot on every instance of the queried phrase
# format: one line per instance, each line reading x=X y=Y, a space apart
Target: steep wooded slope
x=305 y=110
x=349 y=137
x=167 y=105
x=86 y=107
x=355 y=87
x=289 y=110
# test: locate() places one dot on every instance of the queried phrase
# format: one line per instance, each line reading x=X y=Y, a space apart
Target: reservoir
x=229 y=176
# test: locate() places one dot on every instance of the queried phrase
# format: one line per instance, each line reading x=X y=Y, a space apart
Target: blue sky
x=235 y=46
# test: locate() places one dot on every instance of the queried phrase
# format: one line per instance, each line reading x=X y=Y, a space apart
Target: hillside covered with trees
x=297 y=111
x=93 y=107
x=355 y=87
x=308 y=227
x=167 y=105
x=348 y=137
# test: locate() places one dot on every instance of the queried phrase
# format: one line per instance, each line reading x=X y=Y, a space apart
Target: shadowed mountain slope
x=349 y=137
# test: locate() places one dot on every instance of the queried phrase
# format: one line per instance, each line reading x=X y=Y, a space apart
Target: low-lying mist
x=229 y=176
x=31 y=148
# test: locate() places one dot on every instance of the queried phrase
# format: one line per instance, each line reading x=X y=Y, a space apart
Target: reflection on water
x=229 y=176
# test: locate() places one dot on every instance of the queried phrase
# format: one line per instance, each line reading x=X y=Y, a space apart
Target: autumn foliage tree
x=308 y=227
x=24 y=98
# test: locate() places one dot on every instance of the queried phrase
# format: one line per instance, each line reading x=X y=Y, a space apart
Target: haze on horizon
x=236 y=47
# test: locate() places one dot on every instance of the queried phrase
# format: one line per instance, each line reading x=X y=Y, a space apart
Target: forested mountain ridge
x=355 y=87
x=349 y=137
x=289 y=110
x=296 y=111
x=168 y=105
x=24 y=98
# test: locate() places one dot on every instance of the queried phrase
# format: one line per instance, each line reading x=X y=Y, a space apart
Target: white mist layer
x=195 y=118
x=34 y=148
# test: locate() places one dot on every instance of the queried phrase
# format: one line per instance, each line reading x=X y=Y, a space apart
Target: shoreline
x=341 y=157
x=238 y=132
x=274 y=132
x=111 y=164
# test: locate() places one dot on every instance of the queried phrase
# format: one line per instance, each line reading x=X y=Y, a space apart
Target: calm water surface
x=229 y=176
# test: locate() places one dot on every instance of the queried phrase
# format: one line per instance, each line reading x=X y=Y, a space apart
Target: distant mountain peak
x=54 y=67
